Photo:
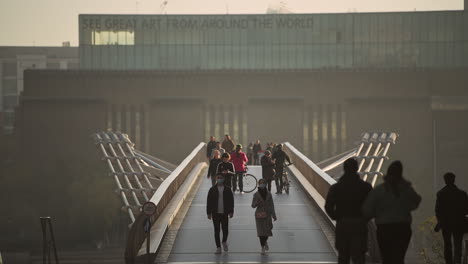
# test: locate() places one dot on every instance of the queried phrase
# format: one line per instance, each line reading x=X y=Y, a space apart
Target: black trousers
x=268 y=185
x=351 y=240
x=227 y=180
x=279 y=179
x=238 y=177
x=223 y=221
x=456 y=256
x=263 y=240
x=393 y=242
x=256 y=161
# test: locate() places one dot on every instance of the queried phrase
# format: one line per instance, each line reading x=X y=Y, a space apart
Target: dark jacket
x=345 y=198
x=212 y=170
x=212 y=200
x=228 y=166
x=280 y=157
x=451 y=207
x=268 y=168
x=228 y=145
x=388 y=208
x=256 y=148
x=209 y=148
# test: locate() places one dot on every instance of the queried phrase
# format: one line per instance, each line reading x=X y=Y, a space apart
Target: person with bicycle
x=239 y=159
x=279 y=157
x=226 y=168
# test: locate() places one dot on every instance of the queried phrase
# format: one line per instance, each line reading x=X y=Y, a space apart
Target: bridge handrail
x=319 y=179
x=322 y=182
x=162 y=198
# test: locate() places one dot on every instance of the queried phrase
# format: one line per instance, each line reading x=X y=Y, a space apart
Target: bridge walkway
x=298 y=236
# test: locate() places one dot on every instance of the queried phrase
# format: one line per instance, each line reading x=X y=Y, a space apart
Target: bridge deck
x=297 y=237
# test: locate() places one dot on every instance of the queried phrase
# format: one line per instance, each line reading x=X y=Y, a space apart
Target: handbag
x=261 y=214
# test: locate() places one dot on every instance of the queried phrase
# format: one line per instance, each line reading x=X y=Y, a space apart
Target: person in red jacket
x=239 y=159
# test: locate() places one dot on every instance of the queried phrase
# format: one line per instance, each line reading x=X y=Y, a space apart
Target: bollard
x=149 y=209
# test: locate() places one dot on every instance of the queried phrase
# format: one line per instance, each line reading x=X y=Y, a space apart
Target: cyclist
x=279 y=157
x=239 y=159
x=226 y=168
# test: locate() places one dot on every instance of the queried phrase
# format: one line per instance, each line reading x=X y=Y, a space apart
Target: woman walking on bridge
x=265 y=211
x=391 y=204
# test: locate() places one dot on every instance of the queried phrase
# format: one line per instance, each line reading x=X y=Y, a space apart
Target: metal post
x=47 y=222
x=148 y=258
x=53 y=240
x=44 y=239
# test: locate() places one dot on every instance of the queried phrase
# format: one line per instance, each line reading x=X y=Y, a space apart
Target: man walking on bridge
x=220 y=206
x=343 y=204
x=451 y=208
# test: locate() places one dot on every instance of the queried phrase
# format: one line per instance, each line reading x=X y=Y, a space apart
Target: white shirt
x=220 y=199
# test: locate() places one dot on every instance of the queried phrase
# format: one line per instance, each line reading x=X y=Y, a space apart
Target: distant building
x=349 y=41
x=13 y=62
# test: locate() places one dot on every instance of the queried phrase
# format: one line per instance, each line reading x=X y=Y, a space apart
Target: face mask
x=220 y=181
x=262 y=185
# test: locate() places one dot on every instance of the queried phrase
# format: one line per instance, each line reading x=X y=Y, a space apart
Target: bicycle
x=286 y=181
x=250 y=182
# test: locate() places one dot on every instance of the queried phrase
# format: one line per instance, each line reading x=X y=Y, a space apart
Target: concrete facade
x=322 y=113
x=13 y=62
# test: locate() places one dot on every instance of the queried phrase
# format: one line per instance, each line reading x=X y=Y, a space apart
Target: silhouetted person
x=250 y=153
x=279 y=157
x=265 y=211
x=344 y=204
x=219 y=208
x=218 y=148
x=239 y=159
x=391 y=204
x=212 y=169
x=451 y=208
x=226 y=168
x=268 y=168
x=210 y=146
x=257 y=148
x=228 y=144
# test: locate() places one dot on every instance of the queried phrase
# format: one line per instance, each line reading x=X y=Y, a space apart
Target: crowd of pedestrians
x=227 y=165
x=351 y=202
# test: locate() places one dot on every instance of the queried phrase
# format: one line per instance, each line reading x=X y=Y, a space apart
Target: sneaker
x=225 y=247
x=263 y=251
x=266 y=246
x=242 y=192
x=218 y=251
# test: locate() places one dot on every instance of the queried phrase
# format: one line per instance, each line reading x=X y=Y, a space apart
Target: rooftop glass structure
x=436 y=39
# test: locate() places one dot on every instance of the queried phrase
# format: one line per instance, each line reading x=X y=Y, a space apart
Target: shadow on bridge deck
x=297 y=236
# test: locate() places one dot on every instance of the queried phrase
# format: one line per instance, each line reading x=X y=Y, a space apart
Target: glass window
x=9 y=118
x=113 y=38
x=9 y=69
x=10 y=102
x=10 y=87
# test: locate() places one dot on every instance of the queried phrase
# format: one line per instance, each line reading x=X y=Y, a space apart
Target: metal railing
x=134 y=185
x=161 y=198
x=378 y=143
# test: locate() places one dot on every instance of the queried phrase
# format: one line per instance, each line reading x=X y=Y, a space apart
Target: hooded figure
x=343 y=204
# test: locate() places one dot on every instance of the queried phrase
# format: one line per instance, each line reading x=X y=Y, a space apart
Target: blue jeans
x=238 y=177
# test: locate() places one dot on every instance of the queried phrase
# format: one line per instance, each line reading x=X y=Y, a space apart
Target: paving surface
x=297 y=236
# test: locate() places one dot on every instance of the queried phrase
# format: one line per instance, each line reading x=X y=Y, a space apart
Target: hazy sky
x=49 y=22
